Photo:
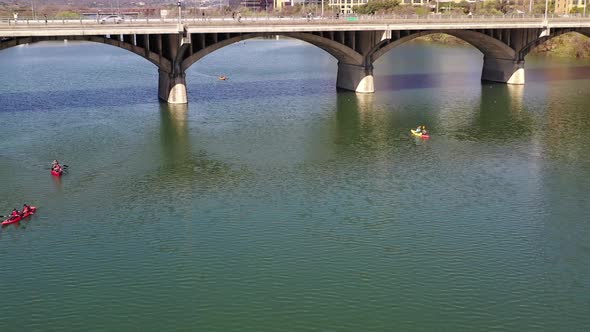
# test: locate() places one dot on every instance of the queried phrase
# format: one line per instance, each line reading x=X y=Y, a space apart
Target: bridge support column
x=357 y=78
x=503 y=70
x=172 y=87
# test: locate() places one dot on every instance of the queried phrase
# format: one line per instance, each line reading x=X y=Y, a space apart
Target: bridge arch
x=500 y=58
x=348 y=47
x=529 y=47
x=339 y=51
x=489 y=46
x=159 y=61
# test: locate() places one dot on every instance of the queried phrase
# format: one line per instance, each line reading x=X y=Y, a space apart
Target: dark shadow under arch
x=487 y=45
x=152 y=57
x=339 y=51
x=555 y=33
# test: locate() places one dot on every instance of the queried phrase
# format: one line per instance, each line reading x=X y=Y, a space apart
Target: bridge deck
x=88 y=28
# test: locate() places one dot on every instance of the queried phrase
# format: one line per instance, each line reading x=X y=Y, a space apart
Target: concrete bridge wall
x=173 y=49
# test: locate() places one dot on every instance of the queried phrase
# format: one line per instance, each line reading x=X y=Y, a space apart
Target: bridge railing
x=289 y=20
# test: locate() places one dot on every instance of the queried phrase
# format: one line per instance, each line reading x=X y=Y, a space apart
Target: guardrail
x=215 y=20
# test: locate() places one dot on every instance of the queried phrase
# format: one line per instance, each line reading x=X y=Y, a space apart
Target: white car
x=111 y=19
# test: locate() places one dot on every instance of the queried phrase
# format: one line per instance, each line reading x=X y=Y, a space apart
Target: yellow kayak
x=419 y=134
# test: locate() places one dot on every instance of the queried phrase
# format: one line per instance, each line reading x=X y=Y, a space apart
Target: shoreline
x=565 y=46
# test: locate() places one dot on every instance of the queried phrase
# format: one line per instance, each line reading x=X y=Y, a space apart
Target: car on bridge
x=112 y=19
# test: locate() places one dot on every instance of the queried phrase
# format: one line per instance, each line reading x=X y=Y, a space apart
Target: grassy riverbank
x=570 y=45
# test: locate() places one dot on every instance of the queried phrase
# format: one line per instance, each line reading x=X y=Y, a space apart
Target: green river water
x=273 y=203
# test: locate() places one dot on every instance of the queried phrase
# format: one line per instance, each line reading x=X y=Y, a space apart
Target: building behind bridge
x=349 y=6
x=281 y=4
x=563 y=7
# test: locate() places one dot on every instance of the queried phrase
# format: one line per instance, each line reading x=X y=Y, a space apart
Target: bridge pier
x=172 y=87
x=358 y=78
x=508 y=71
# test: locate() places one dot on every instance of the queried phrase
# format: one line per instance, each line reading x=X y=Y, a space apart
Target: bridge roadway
x=174 y=47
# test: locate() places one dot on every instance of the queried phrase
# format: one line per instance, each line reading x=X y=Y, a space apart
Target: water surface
x=271 y=202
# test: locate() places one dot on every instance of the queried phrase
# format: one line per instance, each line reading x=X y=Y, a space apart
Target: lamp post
x=546 y=9
x=322 y=8
x=179 y=4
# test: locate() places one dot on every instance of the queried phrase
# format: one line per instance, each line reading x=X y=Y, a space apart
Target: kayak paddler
x=57 y=168
x=15 y=214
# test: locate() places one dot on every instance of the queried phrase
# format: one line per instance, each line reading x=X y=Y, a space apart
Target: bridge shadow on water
x=558 y=74
x=231 y=90
x=80 y=98
x=399 y=82
x=218 y=91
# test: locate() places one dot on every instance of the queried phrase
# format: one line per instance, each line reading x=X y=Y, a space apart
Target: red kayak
x=54 y=173
x=19 y=218
x=11 y=221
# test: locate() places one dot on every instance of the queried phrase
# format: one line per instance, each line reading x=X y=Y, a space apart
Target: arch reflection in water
x=184 y=164
x=371 y=125
x=360 y=122
x=499 y=115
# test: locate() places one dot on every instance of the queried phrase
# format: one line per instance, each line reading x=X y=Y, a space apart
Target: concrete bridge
x=173 y=48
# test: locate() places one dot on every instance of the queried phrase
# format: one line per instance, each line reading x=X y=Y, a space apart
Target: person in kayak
x=419 y=130
x=57 y=168
x=424 y=131
x=26 y=209
x=54 y=163
x=14 y=214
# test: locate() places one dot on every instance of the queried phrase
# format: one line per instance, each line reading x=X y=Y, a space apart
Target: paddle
x=9 y=216
x=63 y=166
